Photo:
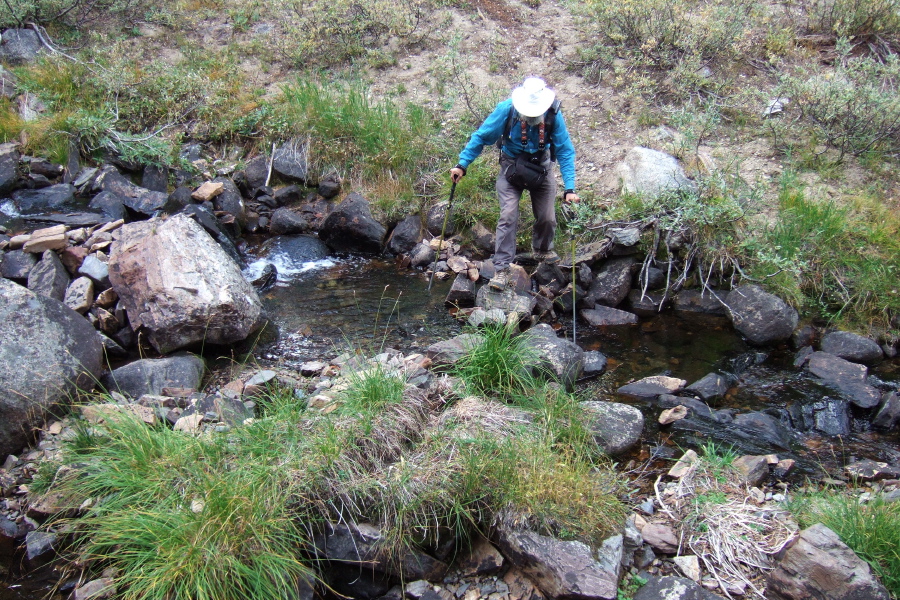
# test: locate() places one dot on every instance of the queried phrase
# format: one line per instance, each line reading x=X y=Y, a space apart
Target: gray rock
x=155 y=179
x=180 y=286
x=405 y=235
x=673 y=588
x=616 y=427
x=330 y=186
x=602 y=316
x=141 y=200
x=846 y=377
x=753 y=469
x=852 y=347
x=560 y=569
x=19 y=46
x=819 y=565
x=646 y=305
x=356 y=543
x=696 y=408
x=611 y=284
x=287 y=195
x=17 y=264
x=703 y=302
x=661 y=537
x=761 y=317
x=447 y=352
x=351 y=228
x=111 y=347
x=829 y=415
x=231 y=202
x=8 y=84
x=594 y=363
x=651 y=387
x=219 y=409
x=109 y=204
x=889 y=412
x=151 y=375
x=506 y=300
x=48 y=352
x=483 y=238
x=651 y=172
x=80 y=295
x=253 y=175
x=38 y=543
x=96 y=269
x=49 y=277
x=55 y=197
x=293 y=251
x=421 y=255
x=556 y=359
x=206 y=219
x=9 y=166
x=286 y=221
x=434 y=220
x=711 y=386
x=291 y=161
x=462 y=292
x=761 y=428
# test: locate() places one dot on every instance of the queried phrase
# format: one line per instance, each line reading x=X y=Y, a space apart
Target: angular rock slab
x=760 y=316
x=151 y=375
x=819 y=565
x=651 y=387
x=48 y=352
x=557 y=358
x=602 y=316
x=180 y=286
x=852 y=347
x=560 y=569
x=673 y=588
x=846 y=376
x=616 y=427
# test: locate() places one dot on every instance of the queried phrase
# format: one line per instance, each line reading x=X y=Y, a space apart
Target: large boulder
x=351 y=228
x=48 y=353
x=616 y=427
x=556 y=358
x=819 y=565
x=179 y=286
x=760 y=316
x=291 y=161
x=19 y=46
x=291 y=254
x=561 y=569
x=151 y=375
x=651 y=172
x=673 y=588
x=852 y=347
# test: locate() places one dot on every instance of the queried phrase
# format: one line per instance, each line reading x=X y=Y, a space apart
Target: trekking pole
x=437 y=251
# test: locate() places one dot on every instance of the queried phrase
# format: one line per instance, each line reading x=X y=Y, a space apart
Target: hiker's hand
x=456 y=174
x=571 y=198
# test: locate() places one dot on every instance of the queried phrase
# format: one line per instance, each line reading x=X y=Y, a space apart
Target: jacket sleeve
x=486 y=135
x=565 y=152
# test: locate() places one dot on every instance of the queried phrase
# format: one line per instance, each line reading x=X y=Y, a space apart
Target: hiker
x=531 y=133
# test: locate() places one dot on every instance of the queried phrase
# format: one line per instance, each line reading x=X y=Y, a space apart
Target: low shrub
x=853 y=107
x=860 y=19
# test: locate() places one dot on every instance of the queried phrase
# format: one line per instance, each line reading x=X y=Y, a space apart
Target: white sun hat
x=533 y=97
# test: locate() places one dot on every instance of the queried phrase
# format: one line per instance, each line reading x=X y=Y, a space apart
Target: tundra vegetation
x=824 y=234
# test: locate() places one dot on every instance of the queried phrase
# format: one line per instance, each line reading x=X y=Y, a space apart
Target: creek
x=324 y=307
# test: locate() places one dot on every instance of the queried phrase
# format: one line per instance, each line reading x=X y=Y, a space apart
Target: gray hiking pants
x=542 y=205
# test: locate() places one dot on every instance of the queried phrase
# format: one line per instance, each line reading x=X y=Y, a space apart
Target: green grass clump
x=839 y=261
x=498 y=363
x=872 y=529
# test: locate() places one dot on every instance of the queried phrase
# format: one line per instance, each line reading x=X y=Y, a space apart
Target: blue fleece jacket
x=492 y=128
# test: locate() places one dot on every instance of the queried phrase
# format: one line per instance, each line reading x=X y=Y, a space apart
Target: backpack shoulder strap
x=510 y=119
x=550 y=123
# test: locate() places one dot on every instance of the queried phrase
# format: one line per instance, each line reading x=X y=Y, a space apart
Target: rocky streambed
x=128 y=271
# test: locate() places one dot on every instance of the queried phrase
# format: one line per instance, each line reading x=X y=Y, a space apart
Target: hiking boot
x=550 y=257
x=500 y=281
